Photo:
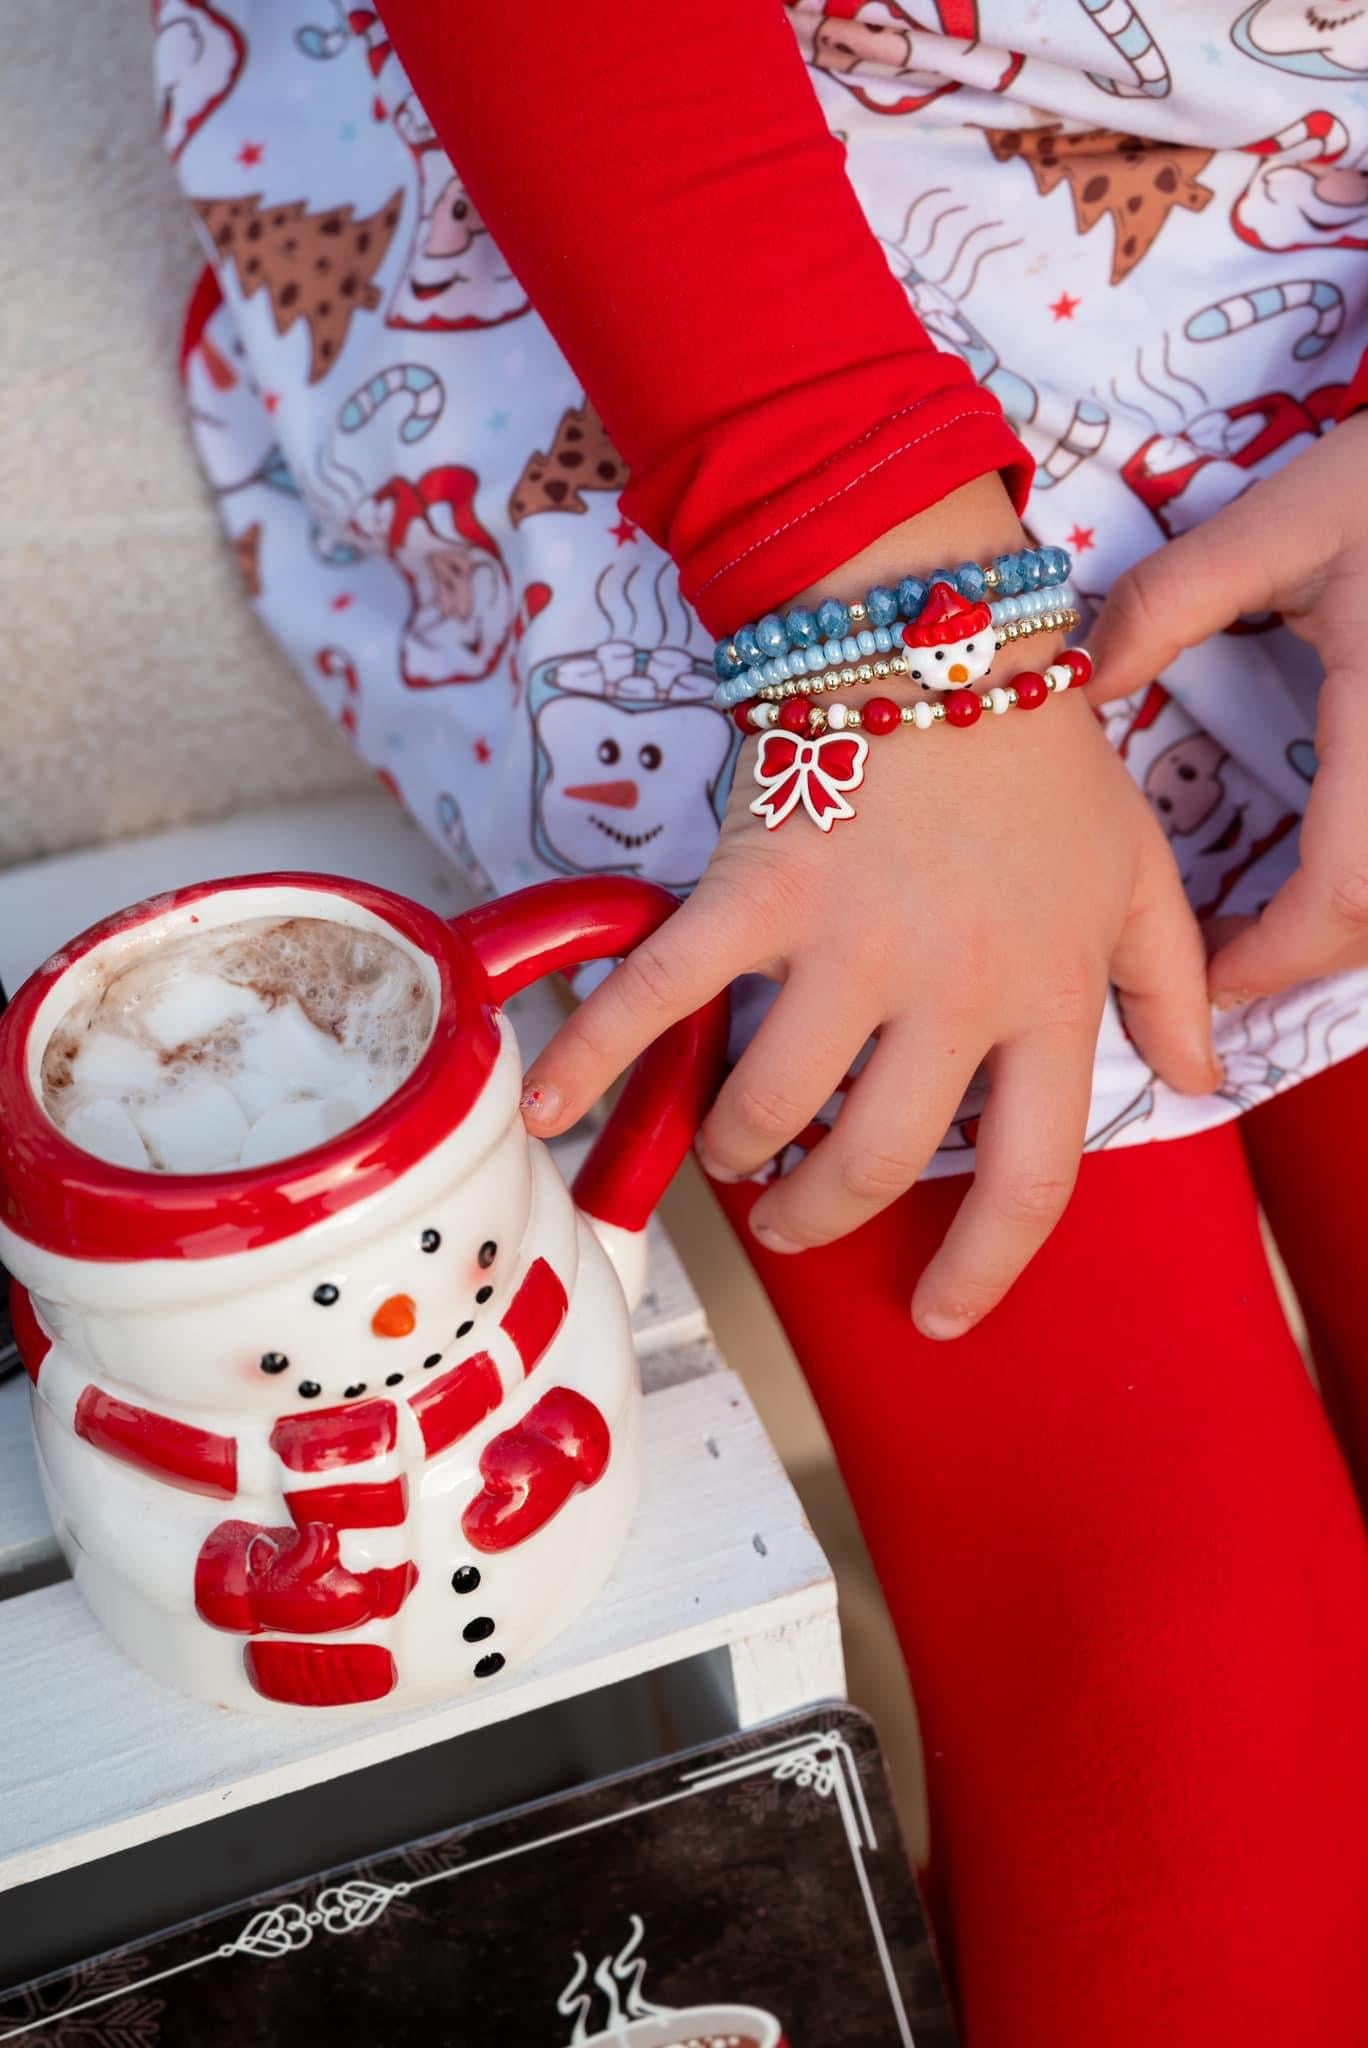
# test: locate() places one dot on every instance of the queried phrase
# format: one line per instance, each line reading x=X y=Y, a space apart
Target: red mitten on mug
x=249 y=1578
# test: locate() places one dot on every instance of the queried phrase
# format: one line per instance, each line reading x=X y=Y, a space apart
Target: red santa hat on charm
x=955 y=639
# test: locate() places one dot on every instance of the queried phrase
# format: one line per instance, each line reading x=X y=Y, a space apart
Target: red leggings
x=1126 y=1563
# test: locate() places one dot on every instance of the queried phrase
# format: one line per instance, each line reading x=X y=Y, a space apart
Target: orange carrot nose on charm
x=396 y=1317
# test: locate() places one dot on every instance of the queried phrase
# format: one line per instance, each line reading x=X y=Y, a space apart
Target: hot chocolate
x=237 y=1046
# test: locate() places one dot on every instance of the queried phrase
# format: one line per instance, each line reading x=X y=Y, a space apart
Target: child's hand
x=972 y=911
x=1297 y=544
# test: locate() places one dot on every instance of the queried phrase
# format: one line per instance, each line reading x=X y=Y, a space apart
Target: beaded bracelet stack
x=813 y=754
x=1021 y=590
x=890 y=667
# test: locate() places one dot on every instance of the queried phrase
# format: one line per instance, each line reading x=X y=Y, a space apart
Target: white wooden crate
x=98 y=1758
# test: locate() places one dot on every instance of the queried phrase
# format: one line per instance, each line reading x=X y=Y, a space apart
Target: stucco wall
x=138 y=690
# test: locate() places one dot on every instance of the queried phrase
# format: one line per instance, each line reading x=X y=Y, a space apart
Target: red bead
x=963 y=707
x=1080 y=661
x=794 y=714
x=880 y=715
x=741 y=718
x=1031 y=689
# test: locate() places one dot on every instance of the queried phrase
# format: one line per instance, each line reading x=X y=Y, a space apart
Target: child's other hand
x=973 y=911
x=1297 y=544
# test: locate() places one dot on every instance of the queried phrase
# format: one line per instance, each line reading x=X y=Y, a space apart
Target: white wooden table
x=721 y=1572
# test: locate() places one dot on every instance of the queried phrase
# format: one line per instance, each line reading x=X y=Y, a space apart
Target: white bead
x=838 y=716
x=923 y=714
x=1058 y=677
x=999 y=700
x=764 y=714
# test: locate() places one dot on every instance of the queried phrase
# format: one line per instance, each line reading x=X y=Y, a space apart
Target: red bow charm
x=815 y=773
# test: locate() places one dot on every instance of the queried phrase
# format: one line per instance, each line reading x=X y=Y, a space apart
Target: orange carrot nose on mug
x=332 y=1379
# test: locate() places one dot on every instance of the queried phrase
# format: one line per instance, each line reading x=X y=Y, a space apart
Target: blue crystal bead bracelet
x=836 y=634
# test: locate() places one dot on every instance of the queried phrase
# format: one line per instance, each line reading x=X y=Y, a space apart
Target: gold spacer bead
x=857 y=610
x=881 y=669
x=938 y=710
x=906 y=715
x=853 y=717
x=1012 y=697
x=990 y=578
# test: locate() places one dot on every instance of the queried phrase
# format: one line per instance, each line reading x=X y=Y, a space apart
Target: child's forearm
x=669 y=193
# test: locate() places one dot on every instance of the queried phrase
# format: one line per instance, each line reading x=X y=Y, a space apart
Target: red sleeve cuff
x=768 y=549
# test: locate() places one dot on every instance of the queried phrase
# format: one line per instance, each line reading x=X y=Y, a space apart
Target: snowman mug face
x=326 y=1288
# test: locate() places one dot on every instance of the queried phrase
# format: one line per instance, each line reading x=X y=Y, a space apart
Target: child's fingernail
x=941 y=1323
x=713 y=1170
x=774 y=1240
x=540 y=1105
x=1231 y=999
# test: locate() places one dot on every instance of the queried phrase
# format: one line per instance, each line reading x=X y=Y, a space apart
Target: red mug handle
x=557 y=925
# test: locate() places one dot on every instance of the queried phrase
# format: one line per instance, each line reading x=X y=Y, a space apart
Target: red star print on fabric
x=1064 y=307
x=341 y=601
x=270 y=399
x=251 y=153
x=482 y=750
x=623 y=532
x=1081 y=539
x=379 y=109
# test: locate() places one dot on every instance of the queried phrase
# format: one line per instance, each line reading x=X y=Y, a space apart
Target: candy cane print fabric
x=1141 y=223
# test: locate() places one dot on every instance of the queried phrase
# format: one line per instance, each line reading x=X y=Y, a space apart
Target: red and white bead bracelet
x=812 y=755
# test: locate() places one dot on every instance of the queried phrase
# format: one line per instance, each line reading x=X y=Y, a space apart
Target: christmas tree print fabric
x=1142 y=227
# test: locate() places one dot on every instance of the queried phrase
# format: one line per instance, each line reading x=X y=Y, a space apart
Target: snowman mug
x=272 y=1554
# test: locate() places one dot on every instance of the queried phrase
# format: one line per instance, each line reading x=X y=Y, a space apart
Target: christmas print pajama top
x=1128 y=237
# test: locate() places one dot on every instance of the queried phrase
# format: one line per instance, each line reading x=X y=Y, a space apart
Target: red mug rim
x=69 y=1202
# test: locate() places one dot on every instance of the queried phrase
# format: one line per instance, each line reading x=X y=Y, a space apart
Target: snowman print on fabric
x=1221 y=821
x=455 y=276
x=632 y=759
x=1328 y=40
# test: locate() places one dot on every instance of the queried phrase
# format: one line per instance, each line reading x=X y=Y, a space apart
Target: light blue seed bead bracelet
x=1012 y=617
x=836 y=634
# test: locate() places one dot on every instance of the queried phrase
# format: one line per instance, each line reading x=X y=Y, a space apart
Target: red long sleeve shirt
x=667 y=190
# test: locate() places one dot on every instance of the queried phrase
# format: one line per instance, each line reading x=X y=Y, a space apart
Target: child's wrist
x=974 y=523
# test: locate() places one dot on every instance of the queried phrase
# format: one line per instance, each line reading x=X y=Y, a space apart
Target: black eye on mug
x=431 y=1240
x=274 y=1361
x=489 y=1251
x=325 y=1295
